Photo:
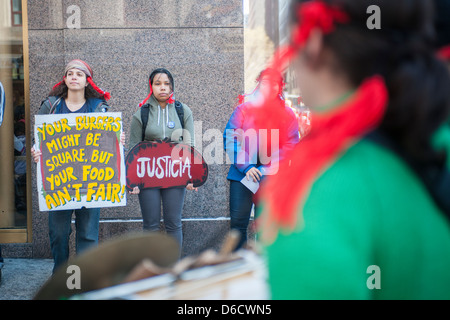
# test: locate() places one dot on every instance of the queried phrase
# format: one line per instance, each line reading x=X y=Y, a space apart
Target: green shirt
x=368 y=209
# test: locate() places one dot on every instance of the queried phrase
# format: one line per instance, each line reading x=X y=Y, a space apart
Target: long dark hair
x=62 y=91
x=401 y=51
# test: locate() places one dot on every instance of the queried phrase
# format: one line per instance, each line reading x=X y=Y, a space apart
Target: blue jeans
x=59 y=225
x=241 y=202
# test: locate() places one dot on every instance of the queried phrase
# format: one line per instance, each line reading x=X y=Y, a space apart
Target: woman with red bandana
x=76 y=93
x=164 y=122
x=362 y=211
x=256 y=153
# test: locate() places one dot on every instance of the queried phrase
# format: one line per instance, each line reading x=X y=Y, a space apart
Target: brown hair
x=62 y=90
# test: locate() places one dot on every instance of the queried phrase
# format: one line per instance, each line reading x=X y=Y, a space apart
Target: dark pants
x=172 y=201
x=241 y=202
x=60 y=228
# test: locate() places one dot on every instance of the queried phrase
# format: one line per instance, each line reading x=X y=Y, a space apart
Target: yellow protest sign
x=82 y=162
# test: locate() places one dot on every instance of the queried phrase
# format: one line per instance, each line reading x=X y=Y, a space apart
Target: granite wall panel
x=200 y=42
x=123 y=14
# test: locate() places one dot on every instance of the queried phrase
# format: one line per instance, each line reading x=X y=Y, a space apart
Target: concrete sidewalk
x=22 y=278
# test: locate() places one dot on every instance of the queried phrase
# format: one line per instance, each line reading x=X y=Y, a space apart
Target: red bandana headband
x=83 y=66
x=332 y=132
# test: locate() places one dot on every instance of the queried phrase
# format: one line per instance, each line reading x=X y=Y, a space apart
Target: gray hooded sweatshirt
x=163 y=123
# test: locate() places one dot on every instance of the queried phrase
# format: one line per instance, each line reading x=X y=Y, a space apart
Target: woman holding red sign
x=166 y=119
x=76 y=93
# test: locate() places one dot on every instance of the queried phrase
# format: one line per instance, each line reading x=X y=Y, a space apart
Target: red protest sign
x=164 y=164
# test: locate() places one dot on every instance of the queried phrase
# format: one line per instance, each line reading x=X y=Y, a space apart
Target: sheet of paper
x=251 y=185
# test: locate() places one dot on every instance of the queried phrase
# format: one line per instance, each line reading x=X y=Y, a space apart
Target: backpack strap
x=145 y=110
x=54 y=105
x=180 y=111
x=94 y=104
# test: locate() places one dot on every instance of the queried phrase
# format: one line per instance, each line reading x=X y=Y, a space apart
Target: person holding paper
x=256 y=153
x=76 y=93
